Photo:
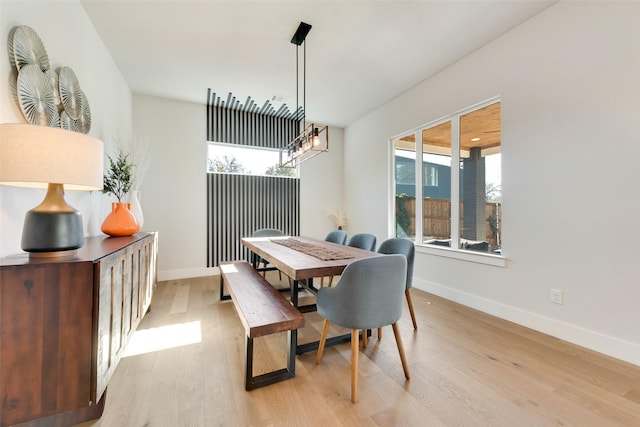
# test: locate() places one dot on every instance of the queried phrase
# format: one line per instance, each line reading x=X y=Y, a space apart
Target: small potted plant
x=117 y=180
x=339 y=218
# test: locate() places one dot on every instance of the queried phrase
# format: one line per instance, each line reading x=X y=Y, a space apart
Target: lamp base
x=72 y=253
x=52 y=231
x=52 y=226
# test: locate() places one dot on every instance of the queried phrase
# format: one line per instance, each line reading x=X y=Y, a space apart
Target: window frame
x=498 y=260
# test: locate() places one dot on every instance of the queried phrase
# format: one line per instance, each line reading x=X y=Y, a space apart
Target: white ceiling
x=360 y=54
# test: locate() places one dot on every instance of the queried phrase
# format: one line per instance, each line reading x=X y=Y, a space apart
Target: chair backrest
x=337 y=236
x=404 y=247
x=267 y=232
x=369 y=294
x=364 y=241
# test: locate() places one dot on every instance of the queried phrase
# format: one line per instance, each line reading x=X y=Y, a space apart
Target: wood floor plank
x=180 y=299
x=467 y=369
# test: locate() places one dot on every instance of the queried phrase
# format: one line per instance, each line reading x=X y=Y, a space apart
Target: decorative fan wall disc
x=84 y=122
x=28 y=49
x=12 y=59
x=52 y=76
x=67 y=122
x=36 y=98
x=13 y=84
x=70 y=93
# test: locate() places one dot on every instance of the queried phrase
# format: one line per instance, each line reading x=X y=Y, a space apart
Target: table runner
x=317 y=251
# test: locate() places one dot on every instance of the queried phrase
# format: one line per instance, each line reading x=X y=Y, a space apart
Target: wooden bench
x=263 y=311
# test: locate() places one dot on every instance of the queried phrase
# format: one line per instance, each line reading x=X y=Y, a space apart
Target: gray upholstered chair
x=406 y=248
x=267 y=232
x=368 y=296
x=366 y=241
x=337 y=236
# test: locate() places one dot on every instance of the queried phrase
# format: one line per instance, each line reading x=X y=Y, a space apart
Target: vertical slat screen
x=240 y=204
x=237 y=205
x=235 y=123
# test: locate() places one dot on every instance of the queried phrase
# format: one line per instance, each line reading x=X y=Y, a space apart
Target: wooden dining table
x=303 y=259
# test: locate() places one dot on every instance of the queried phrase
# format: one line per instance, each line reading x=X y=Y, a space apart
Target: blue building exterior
x=436 y=178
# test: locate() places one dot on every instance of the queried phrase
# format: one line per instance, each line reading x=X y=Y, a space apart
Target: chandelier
x=313 y=139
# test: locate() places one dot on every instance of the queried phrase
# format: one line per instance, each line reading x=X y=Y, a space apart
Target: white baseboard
x=605 y=344
x=186 y=273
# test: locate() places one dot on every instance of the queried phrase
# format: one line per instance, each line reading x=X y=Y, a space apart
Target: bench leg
x=223 y=297
x=292 y=339
x=248 y=365
x=251 y=382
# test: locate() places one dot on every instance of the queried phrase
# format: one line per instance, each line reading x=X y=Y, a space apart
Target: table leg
x=294 y=292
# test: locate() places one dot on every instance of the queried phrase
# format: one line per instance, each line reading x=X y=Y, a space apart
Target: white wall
x=174 y=188
x=173 y=193
x=321 y=188
x=70 y=40
x=569 y=82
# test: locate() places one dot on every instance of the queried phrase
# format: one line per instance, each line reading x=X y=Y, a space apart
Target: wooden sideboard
x=64 y=325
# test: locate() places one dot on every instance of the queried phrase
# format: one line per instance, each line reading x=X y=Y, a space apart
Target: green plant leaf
x=118 y=178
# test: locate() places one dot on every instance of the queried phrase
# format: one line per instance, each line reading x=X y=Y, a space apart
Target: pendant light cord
x=304 y=87
x=297 y=91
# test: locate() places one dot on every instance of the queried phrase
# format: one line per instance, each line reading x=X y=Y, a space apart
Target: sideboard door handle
x=28 y=284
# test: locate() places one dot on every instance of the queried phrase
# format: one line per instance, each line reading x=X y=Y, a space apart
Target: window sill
x=480 y=258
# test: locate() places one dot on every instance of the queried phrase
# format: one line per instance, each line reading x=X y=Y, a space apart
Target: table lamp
x=36 y=156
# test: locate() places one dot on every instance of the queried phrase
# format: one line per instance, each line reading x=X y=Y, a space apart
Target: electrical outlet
x=556 y=296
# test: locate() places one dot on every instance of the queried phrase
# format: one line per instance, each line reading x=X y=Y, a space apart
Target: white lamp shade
x=34 y=156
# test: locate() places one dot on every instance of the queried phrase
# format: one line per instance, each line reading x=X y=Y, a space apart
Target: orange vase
x=120 y=222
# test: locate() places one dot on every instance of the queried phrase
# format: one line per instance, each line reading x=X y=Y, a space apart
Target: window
x=430 y=176
x=246 y=160
x=460 y=199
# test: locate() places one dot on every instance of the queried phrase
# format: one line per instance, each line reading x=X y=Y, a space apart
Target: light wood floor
x=467 y=369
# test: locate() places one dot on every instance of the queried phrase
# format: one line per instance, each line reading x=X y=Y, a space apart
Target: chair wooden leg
x=413 y=315
x=323 y=339
x=379 y=334
x=365 y=340
x=354 y=365
x=405 y=367
x=322 y=282
x=264 y=273
x=330 y=281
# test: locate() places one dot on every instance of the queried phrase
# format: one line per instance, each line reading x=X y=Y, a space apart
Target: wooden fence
x=436 y=222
